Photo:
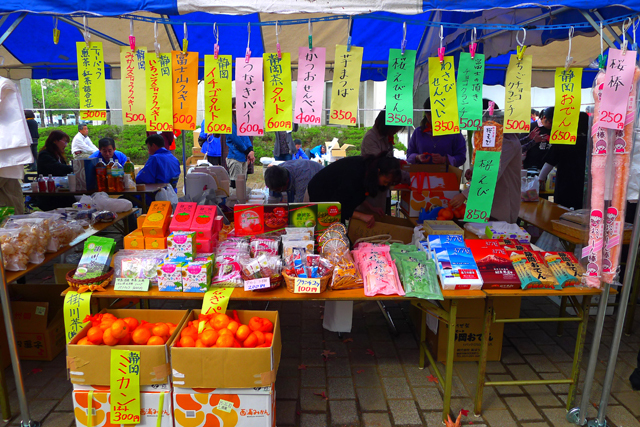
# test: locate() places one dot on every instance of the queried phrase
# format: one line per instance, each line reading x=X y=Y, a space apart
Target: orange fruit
x=209 y=337
x=85 y=341
x=243 y=332
x=191 y=332
x=220 y=321
x=154 y=340
x=225 y=340
x=268 y=338
x=109 y=317
x=255 y=323
x=267 y=326
x=104 y=325
x=141 y=336
x=172 y=330
x=95 y=335
x=233 y=326
x=161 y=330
x=126 y=340
x=147 y=325
x=119 y=329
x=225 y=331
x=187 y=342
x=199 y=343
x=132 y=322
x=108 y=337
x=251 y=341
x=260 y=337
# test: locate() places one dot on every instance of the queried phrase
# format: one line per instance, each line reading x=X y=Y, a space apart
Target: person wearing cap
x=299 y=154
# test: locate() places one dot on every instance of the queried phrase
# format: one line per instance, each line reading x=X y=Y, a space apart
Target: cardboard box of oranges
x=253 y=365
x=89 y=352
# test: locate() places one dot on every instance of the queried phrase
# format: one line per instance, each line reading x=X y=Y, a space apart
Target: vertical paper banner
x=568 y=85
x=76 y=308
x=346 y=85
x=444 y=102
x=159 y=93
x=249 y=97
x=483 y=186
x=400 y=87
x=310 y=89
x=470 y=79
x=133 y=67
x=91 y=80
x=517 y=110
x=277 y=92
x=216 y=300
x=185 y=89
x=217 y=94
x=616 y=89
x=124 y=382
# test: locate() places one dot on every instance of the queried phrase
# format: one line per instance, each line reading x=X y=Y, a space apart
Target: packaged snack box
x=504 y=244
x=496 y=268
x=140 y=221
x=249 y=219
x=183 y=216
x=155 y=243
x=170 y=275
x=276 y=217
x=532 y=270
x=328 y=214
x=565 y=268
x=181 y=244
x=203 y=221
x=205 y=246
x=96 y=258
x=196 y=276
x=134 y=240
x=457 y=268
x=303 y=214
x=157 y=221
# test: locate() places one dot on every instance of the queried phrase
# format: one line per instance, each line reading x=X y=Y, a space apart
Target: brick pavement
x=372 y=380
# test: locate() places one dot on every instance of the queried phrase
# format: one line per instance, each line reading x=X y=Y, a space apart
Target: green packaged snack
x=420 y=279
x=417 y=256
x=96 y=258
x=400 y=248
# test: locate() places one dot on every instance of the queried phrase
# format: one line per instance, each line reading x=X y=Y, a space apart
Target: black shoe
x=634 y=379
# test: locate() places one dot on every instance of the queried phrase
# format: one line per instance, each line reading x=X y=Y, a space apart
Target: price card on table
x=444 y=100
x=252 y=285
x=249 y=97
x=517 y=110
x=133 y=68
x=483 y=186
x=567 y=107
x=91 y=80
x=346 y=85
x=217 y=94
x=616 y=88
x=126 y=284
x=76 y=308
x=310 y=90
x=277 y=89
x=470 y=78
x=306 y=286
x=124 y=381
x=400 y=87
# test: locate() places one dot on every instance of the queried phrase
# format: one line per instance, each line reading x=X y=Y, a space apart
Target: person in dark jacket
x=33 y=131
x=535 y=145
x=51 y=161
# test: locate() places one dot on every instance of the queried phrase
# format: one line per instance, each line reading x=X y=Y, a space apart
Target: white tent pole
x=12 y=27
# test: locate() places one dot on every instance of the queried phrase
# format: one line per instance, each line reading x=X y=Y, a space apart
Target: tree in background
x=58 y=94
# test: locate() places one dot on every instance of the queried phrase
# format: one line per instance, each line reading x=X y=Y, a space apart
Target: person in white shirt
x=82 y=147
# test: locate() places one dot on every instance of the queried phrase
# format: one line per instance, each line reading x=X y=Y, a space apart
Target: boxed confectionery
x=441 y=227
x=245 y=407
x=204 y=221
x=500 y=230
x=183 y=216
x=457 y=268
x=181 y=244
x=248 y=219
x=496 y=268
x=155 y=243
x=276 y=217
x=431 y=186
x=157 y=221
x=234 y=367
x=134 y=240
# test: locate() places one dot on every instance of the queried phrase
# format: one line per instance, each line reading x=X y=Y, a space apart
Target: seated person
x=299 y=154
x=161 y=166
x=107 y=147
x=292 y=176
x=51 y=161
x=318 y=151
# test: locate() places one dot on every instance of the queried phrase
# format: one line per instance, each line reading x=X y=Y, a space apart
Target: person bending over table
x=161 y=166
x=51 y=161
x=292 y=177
x=107 y=147
x=425 y=148
x=82 y=147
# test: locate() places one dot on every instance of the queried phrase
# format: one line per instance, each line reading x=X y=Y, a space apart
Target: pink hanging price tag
x=617 y=85
x=132 y=42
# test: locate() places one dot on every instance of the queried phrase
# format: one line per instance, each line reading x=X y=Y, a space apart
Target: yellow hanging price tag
x=91 y=80
x=125 y=387
x=76 y=308
x=216 y=300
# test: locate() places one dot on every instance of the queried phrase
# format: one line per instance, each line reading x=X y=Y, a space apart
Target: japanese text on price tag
x=306 y=286
x=444 y=103
x=225 y=406
x=483 y=186
x=76 y=308
x=567 y=108
x=159 y=93
x=91 y=80
x=517 y=110
x=309 y=93
x=616 y=87
x=400 y=87
x=249 y=97
x=216 y=300
x=125 y=387
x=488 y=136
x=217 y=94
x=133 y=90
x=126 y=284
x=346 y=86
x=252 y=285
x=470 y=78
x=185 y=89
x=277 y=84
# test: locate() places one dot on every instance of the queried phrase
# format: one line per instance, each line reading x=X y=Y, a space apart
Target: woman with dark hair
x=51 y=160
x=426 y=148
x=379 y=139
x=33 y=131
x=535 y=145
x=351 y=180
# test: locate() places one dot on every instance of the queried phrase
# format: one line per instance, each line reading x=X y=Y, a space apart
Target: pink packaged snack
x=378 y=270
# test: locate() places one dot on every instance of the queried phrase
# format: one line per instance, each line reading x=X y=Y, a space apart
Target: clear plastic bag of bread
x=38 y=229
x=345 y=274
x=17 y=246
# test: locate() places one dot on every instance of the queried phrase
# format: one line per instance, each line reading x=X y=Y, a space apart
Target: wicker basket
x=291 y=282
x=95 y=284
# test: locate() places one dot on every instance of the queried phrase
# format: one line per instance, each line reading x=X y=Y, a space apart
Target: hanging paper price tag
x=444 y=102
x=159 y=93
x=133 y=87
x=91 y=81
x=124 y=384
x=277 y=91
x=216 y=300
x=185 y=89
x=310 y=89
x=217 y=94
x=483 y=186
x=568 y=85
x=400 y=87
x=76 y=308
x=469 y=85
x=249 y=97
x=517 y=111
x=346 y=86
x=616 y=88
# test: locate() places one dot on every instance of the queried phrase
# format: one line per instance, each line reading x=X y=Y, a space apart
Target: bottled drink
x=101 y=175
x=111 y=184
x=130 y=170
x=117 y=171
x=51 y=185
x=42 y=184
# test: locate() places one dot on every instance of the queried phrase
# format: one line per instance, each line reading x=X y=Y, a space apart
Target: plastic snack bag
x=420 y=279
x=16 y=248
x=529 y=189
x=346 y=275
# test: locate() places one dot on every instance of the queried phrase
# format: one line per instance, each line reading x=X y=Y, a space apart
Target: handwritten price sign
x=133 y=89
x=470 y=78
x=125 y=386
x=216 y=300
x=616 y=87
x=346 y=85
x=517 y=111
x=567 y=108
x=444 y=101
x=217 y=93
x=249 y=97
x=306 y=286
x=76 y=308
x=309 y=92
x=91 y=80
x=483 y=186
x=400 y=87
x=159 y=93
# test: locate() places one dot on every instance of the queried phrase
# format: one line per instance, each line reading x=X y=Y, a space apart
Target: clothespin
x=625 y=27
x=602 y=59
x=473 y=46
x=185 y=40
x=349 y=35
x=132 y=39
x=441 y=48
x=569 y=59
x=634 y=46
x=156 y=45
x=278 y=42
x=310 y=36
x=403 y=45
x=521 y=47
x=247 y=54
x=87 y=36
x=492 y=106
x=56 y=31
x=216 y=47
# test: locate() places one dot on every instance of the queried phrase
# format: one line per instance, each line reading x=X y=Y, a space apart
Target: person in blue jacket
x=299 y=154
x=240 y=151
x=318 y=151
x=107 y=151
x=210 y=145
x=161 y=166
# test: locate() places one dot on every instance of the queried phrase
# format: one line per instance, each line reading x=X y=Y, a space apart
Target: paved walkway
x=370 y=378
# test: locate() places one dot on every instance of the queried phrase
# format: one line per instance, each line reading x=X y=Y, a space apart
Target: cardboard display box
x=247 y=407
x=431 y=186
x=399 y=228
x=441 y=228
x=88 y=364
x=227 y=367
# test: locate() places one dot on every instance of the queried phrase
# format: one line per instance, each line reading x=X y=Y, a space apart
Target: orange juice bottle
x=111 y=182
x=101 y=175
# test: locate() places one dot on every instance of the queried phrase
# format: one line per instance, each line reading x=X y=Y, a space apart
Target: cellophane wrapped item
x=378 y=270
x=345 y=274
x=264 y=245
x=228 y=271
x=418 y=274
x=37 y=228
x=17 y=246
x=138 y=264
